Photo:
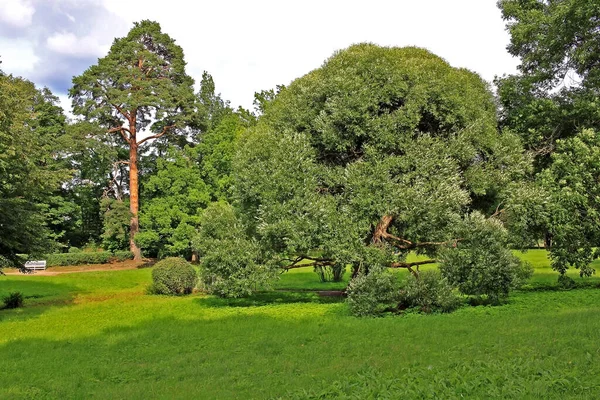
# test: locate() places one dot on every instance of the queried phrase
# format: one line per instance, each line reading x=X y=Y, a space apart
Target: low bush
x=482 y=264
x=566 y=282
x=373 y=293
x=231 y=262
x=13 y=300
x=99 y=257
x=429 y=293
x=173 y=276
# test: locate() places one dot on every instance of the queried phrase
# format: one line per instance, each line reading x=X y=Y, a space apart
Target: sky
x=246 y=45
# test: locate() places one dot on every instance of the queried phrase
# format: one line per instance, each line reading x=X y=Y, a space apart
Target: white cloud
x=18 y=56
x=17 y=13
x=69 y=44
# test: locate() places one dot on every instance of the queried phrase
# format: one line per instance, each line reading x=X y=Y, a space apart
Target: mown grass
x=98 y=335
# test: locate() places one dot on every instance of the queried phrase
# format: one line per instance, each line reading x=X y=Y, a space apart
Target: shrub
x=231 y=265
x=430 y=292
x=566 y=282
x=74 y=250
x=13 y=300
x=173 y=276
x=481 y=264
x=99 y=257
x=373 y=293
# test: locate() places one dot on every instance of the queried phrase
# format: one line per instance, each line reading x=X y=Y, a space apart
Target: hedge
x=98 y=257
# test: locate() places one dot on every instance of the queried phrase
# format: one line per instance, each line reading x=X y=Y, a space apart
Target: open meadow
x=98 y=335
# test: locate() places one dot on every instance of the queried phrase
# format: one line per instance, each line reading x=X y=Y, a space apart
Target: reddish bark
x=134 y=201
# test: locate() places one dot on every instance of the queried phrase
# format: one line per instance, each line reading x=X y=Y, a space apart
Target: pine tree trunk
x=134 y=200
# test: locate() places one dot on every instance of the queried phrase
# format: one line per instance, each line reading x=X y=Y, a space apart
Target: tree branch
x=409 y=266
x=316 y=262
x=381 y=233
x=165 y=129
x=121 y=130
x=119 y=109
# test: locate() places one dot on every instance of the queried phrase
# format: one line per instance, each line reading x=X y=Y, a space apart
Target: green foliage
x=184 y=182
x=176 y=194
x=429 y=292
x=373 y=293
x=481 y=264
x=571 y=182
x=157 y=90
x=216 y=151
x=231 y=264
x=13 y=300
x=99 y=181
x=116 y=216
x=330 y=273
x=173 y=276
x=566 y=282
x=375 y=131
x=80 y=258
x=553 y=38
x=31 y=167
x=557 y=42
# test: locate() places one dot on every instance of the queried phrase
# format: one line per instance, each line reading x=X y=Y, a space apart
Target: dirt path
x=51 y=271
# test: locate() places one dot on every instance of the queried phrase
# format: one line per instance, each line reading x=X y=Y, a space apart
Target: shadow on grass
x=259 y=356
x=39 y=296
x=270 y=298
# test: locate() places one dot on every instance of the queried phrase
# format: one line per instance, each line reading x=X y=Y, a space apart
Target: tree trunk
x=134 y=200
x=547 y=240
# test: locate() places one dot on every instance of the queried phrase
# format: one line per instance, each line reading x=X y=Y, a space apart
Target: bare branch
x=498 y=211
x=165 y=129
x=121 y=111
x=412 y=264
x=381 y=233
x=409 y=266
x=316 y=262
x=121 y=130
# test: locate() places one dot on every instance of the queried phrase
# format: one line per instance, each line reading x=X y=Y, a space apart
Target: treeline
x=379 y=153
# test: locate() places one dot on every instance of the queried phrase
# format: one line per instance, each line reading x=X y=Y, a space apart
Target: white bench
x=36 y=265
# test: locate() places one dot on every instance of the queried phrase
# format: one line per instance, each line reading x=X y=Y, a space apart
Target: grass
x=97 y=335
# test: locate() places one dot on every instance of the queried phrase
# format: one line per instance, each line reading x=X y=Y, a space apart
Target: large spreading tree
x=380 y=152
x=140 y=85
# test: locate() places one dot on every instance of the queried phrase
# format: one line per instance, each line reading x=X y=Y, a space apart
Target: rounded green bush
x=173 y=276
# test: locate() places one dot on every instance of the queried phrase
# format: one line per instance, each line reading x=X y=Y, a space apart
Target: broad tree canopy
x=379 y=152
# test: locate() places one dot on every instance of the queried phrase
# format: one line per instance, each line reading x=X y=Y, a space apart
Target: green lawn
x=97 y=335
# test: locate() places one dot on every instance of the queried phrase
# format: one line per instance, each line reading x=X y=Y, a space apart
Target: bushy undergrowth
x=429 y=292
x=334 y=273
x=482 y=264
x=13 y=300
x=231 y=264
x=98 y=257
x=373 y=293
x=173 y=276
x=566 y=282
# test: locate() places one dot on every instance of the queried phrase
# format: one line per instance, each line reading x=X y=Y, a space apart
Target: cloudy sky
x=246 y=45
